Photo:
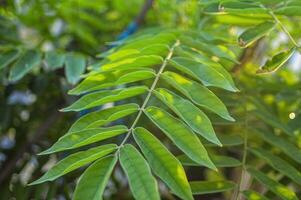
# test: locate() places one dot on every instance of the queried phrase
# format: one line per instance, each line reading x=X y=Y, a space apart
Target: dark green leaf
x=75 y=67
x=141 y=181
x=8 y=57
x=93 y=181
x=163 y=163
x=207 y=187
x=54 y=59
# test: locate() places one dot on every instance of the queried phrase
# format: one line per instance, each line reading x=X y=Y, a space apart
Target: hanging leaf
x=81 y=138
x=109 y=79
x=181 y=135
x=102 y=97
x=163 y=163
x=194 y=117
x=75 y=161
x=253 y=34
x=197 y=93
x=276 y=62
x=142 y=183
x=75 y=67
x=93 y=181
x=103 y=117
x=26 y=62
x=208 y=75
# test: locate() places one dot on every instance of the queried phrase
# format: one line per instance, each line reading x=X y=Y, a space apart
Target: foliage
x=192 y=110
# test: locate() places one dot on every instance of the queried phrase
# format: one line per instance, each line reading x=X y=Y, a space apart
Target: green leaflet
x=279 y=164
x=193 y=116
x=102 y=97
x=140 y=62
x=163 y=163
x=93 y=181
x=181 y=135
x=278 y=189
x=109 y=79
x=231 y=140
x=103 y=117
x=54 y=59
x=218 y=51
x=276 y=62
x=252 y=195
x=75 y=161
x=81 y=138
x=287 y=147
x=197 y=93
x=75 y=67
x=8 y=57
x=219 y=161
x=152 y=49
x=208 y=187
x=27 y=61
x=142 y=183
x=208 y=75
x=251 y=35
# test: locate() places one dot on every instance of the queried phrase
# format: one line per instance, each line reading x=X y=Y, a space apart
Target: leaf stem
x=150 y=91
x=281 y=26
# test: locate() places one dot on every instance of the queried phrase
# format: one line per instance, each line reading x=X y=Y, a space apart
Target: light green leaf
x=181 y=135
x=75 y=67
x=287 y=147
x=140 y=62
x=276 y=62
x=279 y=164
x=197 y=93
x=54 y=59
x=219 y=161
x=102 y=97
x=103 y=117
x=208 y=187
x=24 y=64
x=81 y=138
x=274 y=186
x=252 y=195
x=141 y=181
x=253 y=34
x=93 y=181
x=193 y=116
x=8 y=57
x=289 y=10
x=208 y=75
x=163 y=163
x=75 y=161
x=109 y=79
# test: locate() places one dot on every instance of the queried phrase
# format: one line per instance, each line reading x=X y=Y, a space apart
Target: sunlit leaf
x=81 y=138
x=197 y=93
x=75 y=161
x=103 y=117
x=102 y=97
x=252 y=195
x=208 y=75
x=93 y=181
x=193 y=116
x=181 y=135
x=142 y=183
x=163 y=163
